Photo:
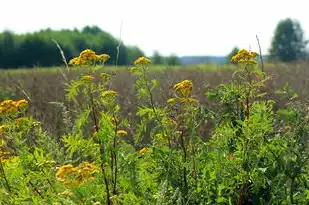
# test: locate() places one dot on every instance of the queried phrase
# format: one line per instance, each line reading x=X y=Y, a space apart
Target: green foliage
x=38 y=49
x=288 y=43
x=256 y=154
x=157 y=59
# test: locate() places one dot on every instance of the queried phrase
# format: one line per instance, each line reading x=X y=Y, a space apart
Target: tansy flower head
x=122 y=132
x=85 y=171
x=105 y=76
x=22 y=103
x=88 y=55
x=8 y=106
x=109 y=93
x=244 y=57
x=2 y=129
x=142 y=151
x=87 y=78
x=74 y=61
x=185 y=87
x=4 y=156
x=66 y=193
x=142 y=61
x=171 y=100
x=103 y=57
x=65 y=170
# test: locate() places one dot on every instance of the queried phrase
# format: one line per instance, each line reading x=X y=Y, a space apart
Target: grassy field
x=46 y=85
x=145 y=134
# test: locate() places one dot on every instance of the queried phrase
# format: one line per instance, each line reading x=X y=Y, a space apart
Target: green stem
x=4 y=177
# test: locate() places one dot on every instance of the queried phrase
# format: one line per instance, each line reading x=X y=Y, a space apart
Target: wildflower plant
x=98 y=109
x=256 y=154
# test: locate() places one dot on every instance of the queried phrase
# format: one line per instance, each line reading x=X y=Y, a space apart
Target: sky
x=195 y=27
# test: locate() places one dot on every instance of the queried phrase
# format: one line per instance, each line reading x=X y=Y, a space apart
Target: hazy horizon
x=197 y=28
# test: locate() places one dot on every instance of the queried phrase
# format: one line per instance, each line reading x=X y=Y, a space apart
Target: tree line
x=39 y=49
x=288 y=43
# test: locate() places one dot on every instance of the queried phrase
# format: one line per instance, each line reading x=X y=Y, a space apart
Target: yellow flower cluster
x=244 y=57
x=171 y=100
x=88 y=56
x=183 y=100
x=82 y=173
x=185 y=87
x=142 y=61
x=63 y=171
x=66 y=193
x=102 y=57
x=85 y=171
x=122 y=132
x=10 y=106
x=109 y=93
x=4 y=156
x=143 y=151
x=87 y=78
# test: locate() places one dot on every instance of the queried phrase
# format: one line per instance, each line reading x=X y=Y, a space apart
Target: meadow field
x=146 y=134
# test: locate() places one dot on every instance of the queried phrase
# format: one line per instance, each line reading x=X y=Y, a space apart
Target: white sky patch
x=196 y=27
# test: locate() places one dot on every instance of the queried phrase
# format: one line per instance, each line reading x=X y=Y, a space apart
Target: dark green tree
x=38 y=49
x=7 y=50
x=173 y=60
x=232 y=53
x=134 y=53
x=288 y=43
x=157 y=59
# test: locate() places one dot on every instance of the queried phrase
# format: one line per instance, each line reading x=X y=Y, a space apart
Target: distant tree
x=157 y=59
x=92 y=30
x=288 y=43
x=7 y=50
x=232 y=53
x=38 y=49
x=134 y=53
x=173 y=60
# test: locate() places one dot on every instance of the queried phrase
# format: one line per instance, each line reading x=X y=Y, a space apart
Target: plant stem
x=182 y=141
x=4 y=176
x=102 y=151
x=115 y=156
x=292 y=189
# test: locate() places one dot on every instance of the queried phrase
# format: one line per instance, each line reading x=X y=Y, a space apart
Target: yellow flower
x=103 y=57
x=244 y=57
x=8 y=106
x=105 y=76
x=188 y=100
x=185 y=87
x=66 y=193
x=122 y=132
x=2 y=129
x=74 y=61
x=4 y=156
x=85 y=171
x=22 y=103
x=142 y=151
x=142 y=61
x=87 y=55
x=6 y=103
x=65 y=170
x=87 y=78
x=109 y=93
x=171 y=100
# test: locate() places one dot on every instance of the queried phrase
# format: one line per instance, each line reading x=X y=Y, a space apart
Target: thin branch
x=63 y=59
x=260 y=51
